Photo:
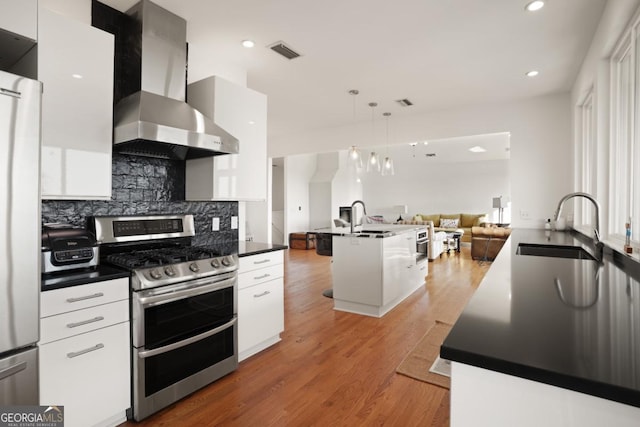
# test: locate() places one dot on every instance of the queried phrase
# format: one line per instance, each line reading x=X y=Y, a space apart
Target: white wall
x=298 y=171
x=541 y=148
x=345 y=188
x=463 y=187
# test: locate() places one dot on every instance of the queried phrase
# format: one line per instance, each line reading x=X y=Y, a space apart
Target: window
x=623 y=127
x=586 y=157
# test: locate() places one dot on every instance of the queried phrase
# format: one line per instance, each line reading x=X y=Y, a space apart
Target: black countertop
x=254 y=248
x=564 y=322
x=65 y=279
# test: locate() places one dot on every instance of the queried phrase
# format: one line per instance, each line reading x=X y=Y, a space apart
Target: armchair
x=436 y=241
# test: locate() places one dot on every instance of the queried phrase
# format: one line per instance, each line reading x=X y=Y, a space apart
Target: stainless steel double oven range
x=183 y=306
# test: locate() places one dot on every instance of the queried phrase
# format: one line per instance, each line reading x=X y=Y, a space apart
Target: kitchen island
x=376 y=269
x=548 y=340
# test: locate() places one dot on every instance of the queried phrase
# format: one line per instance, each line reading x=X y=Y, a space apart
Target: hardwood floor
x=333 y=368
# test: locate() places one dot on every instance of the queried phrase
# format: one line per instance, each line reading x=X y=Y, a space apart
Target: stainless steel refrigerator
x=20 y=107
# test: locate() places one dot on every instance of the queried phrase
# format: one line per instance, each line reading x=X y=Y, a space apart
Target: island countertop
x=565 y=322
x=370 y=230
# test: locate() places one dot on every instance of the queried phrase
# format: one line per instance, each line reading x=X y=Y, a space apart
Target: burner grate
x=161 y=256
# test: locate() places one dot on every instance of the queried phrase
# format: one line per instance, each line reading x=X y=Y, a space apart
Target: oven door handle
x=191 y=340
x=184 y=292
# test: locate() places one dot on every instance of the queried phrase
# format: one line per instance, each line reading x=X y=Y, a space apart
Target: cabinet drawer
x=89 y=374
x=76 y=322
x=83 y=296
x=255 y=262
x=251 y=278
x=260 y=313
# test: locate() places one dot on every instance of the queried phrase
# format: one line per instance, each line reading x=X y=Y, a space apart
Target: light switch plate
x=234 y=222
x=215 y=224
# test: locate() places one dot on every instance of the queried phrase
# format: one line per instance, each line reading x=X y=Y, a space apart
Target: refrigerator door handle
x=12 y=370
x=10 y=92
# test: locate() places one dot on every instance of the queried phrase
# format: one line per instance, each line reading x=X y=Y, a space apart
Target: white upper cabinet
x=242 y=112
x=20 y=17
x=75 y=65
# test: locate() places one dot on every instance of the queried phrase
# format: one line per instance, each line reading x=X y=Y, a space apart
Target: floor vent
x=284 y=50
x=404 y=102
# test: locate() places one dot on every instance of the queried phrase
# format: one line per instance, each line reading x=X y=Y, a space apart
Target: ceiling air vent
x=430 y=154
x=404 y=102
x=284 y=50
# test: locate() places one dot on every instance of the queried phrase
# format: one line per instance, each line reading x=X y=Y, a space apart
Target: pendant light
x=387 y=164
x=373 y=164
x=354 y=155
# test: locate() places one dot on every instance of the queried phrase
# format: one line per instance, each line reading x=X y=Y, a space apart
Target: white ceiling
x=438 y=53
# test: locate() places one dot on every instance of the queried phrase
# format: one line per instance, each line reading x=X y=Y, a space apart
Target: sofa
x=454 y=222
x=487 y=241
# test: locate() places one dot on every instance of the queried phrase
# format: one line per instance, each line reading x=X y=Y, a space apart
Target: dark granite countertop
x=254 y=248
x=569 y=323
x=65 y=279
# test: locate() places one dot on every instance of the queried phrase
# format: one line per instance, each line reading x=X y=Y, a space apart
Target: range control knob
x=194 y=267
x=227 y=261
x=215 y=263
x=155 y=273
x=169 y=271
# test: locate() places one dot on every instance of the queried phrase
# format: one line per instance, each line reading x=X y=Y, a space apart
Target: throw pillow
x=448 y=223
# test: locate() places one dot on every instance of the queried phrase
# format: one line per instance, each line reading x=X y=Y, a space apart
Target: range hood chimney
x=155 y=120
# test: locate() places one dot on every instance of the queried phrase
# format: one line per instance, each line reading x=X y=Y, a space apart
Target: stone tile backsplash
x=148 y=186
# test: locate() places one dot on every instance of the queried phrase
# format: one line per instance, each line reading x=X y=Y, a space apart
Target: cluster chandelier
x=373 y=161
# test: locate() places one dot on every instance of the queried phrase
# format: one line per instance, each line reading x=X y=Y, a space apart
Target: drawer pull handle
x=12 y=370
x=262 y=261
x=85 y=351
x=84 y=322
x=262 y=294
x=264 y=276
x=96 y=295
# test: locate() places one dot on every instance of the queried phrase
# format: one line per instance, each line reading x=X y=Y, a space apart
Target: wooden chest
x=302 y=240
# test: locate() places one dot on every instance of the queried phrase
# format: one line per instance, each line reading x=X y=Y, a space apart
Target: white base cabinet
x=485 y=398
x=85 y=352
x=260 y=302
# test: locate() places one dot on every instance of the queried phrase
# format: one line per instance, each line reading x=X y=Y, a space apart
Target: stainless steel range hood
x=156 y=121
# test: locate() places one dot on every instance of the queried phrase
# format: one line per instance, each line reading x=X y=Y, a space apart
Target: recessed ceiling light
x=532 y=73
x=477 y=149
x=534 y=5
x=252 y=122
x=76 y=76
x=248 y=43
x=425 y=143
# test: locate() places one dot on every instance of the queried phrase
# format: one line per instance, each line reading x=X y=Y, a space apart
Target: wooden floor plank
x=335 y=368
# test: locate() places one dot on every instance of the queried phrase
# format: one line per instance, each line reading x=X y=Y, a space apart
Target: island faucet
x=596 y=230
x=353 y=218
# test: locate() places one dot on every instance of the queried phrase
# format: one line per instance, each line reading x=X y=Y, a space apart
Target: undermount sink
x=555 y=251
x=374 y=231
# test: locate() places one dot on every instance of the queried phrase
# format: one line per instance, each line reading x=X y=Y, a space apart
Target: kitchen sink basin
x=375 y=231
x=555 y=251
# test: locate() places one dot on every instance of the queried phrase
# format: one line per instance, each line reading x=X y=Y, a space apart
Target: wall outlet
x=215 y=224
x=524 y=214
x=234 y=222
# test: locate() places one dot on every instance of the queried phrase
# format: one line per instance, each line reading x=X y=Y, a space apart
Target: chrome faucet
x=596 y=230
x=353 y=218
